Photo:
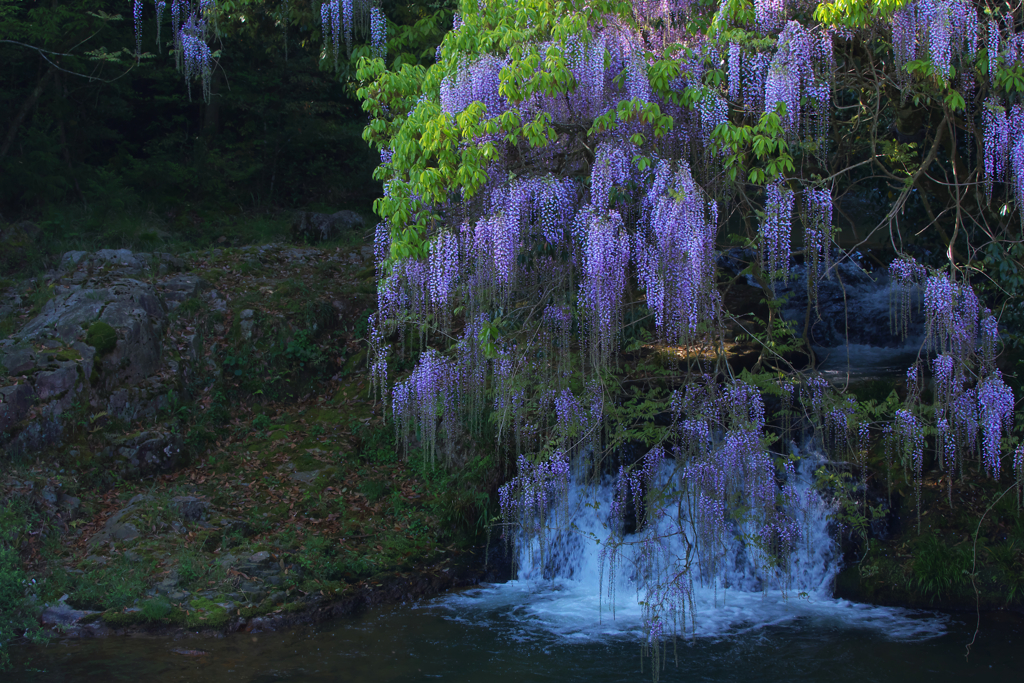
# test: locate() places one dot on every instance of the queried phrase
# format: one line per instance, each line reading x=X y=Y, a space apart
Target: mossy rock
x=258 y=611
x=207 y=614
x=102 y=337
x=123 y=619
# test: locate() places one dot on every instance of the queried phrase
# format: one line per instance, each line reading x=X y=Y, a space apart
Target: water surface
x=472 y=638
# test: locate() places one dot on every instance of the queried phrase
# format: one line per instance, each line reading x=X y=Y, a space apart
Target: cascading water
x=574 y=583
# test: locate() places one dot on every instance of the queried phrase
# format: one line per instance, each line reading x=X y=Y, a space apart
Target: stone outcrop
x=96 y=345
x=320 y=227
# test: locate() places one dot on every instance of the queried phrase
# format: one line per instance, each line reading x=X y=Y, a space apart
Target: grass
x=940 y=569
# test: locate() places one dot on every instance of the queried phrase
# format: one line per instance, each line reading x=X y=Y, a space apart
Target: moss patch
x=102 y=337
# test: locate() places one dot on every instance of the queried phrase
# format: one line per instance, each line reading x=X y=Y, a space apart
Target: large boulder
x=320 y=227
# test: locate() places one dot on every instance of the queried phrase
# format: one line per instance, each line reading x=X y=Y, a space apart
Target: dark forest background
x=101 y=149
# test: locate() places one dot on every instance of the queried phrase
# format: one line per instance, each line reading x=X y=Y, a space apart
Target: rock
x=69 y=503
x=15 y=403
x=247 y=323
x=320 y=227
x=190 y=508
x=115 y=529
x=147 y=453
x=262 y=557
x=63 y=615
x=217 y=301
x=17 y=360
x=71 y=259
x=56 y=383
x=180 y=288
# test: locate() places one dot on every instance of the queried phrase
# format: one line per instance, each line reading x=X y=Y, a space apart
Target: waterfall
x=569 y=585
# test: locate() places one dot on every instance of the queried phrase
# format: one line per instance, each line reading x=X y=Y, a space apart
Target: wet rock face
x=854 y=306
x=320 y=227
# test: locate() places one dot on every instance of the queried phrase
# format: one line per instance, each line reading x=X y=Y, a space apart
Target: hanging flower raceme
x=996 y=127
x=604 y=255
x=995 y=410
x=528 y=498
x=906 y=274
x=770 y=15
x=197 y=60
x=431 y=393
x=675 y=252
x=330 y=27
x=776 y=228
x=476 y=81
x=137 y=15
x=952 y=313
x=444 y=269
x=940 y=30
x=817 y=237
x=378 y=33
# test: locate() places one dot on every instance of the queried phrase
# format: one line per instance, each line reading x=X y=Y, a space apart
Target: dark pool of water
x=436 y=642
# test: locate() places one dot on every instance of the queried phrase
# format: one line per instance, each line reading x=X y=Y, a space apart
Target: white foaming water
x=565 y=590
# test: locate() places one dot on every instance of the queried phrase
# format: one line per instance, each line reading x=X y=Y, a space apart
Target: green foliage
x=373 y=489
x=375 y=443
x=940 y=570
x=326 y=560
x=156 y=609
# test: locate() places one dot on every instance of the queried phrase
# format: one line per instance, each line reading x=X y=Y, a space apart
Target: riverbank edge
x=461 y=569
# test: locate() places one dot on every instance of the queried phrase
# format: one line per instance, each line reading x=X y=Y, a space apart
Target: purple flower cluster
x=735 y=71
x=952 y=313
x=674 y=252
x=996 y=127
x=817 y=237
x=195 y=53
x=776 y=228
x=993 y=49
x=431 y=393
x=909 y=434
x=330 y=27
x=444 y=269
x=949 y=28
x=477 y=81
x=137 y=15
x=378 y=33
x=770 y=15
x=906 y=275
x=611 y=168
x=1018 y=469
x=995 y=410
x=791 y=74
x=632 y=484
x=160 y=7
x=528 y=497
x=604 y=262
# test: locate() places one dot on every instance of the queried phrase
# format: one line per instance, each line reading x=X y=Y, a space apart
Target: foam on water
x=564 y=590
